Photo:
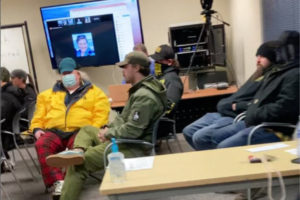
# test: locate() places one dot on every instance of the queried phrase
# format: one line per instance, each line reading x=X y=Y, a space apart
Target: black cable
x=195 y=51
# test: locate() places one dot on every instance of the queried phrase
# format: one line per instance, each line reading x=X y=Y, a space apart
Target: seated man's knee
x=89 y=128
x=200 y=141
x=188 y=131
x=40 y=143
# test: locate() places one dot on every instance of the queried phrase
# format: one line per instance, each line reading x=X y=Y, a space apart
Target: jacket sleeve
x=101 y=109
x=284 y=108
x=174 y=89
x=141 y=113
x=38 y=121
x=241 y=106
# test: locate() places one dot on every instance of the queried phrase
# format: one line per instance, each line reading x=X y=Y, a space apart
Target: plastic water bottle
x=297 y=137
x=116 y=164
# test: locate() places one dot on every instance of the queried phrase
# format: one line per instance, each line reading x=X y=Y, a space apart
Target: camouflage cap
x=135 y=57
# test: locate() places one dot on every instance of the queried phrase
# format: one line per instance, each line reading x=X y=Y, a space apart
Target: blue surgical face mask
x=69 y=80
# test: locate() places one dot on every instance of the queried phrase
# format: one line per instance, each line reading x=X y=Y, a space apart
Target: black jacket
x=241 y=98
x=174 y=88
x=277 y=100
x=29 y=95
x=173 y=84
x=11 y=103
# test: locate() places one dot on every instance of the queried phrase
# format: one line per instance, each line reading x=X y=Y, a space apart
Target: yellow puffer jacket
x=92 y=108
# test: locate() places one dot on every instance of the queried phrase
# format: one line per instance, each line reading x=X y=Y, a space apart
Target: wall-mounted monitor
x=94 y=33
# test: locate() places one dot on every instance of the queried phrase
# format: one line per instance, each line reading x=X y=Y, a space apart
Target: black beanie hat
x=267 y=50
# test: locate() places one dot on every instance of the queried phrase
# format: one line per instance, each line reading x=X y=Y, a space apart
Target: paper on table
x=139 y=163
x=268 y=147
x=292 y=151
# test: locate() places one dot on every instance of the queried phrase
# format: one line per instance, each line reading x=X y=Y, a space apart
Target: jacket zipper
x=72 y=102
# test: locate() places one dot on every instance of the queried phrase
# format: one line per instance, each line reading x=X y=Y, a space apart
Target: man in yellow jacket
x=60 y=112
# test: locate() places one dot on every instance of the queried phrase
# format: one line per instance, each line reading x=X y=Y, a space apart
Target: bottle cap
x=114 y=147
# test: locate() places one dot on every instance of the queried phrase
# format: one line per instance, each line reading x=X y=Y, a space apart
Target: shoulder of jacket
x=143 y=91
x=95 y=89
x=46 y=92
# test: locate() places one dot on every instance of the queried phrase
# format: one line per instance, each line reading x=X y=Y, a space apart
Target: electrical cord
x=194 y=53
x=230 y=68
x=269 y=173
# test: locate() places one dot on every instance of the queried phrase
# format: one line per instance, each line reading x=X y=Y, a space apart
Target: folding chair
x=268 y=124
x=16 y=133
x=133 y=141
x=170 y=133
x=3 y=159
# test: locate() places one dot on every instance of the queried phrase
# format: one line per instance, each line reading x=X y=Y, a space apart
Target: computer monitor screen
x=94 y=33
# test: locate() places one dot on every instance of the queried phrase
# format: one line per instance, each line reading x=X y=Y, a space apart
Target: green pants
x=87 y=138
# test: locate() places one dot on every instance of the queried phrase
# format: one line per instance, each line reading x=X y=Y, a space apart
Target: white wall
x=157 y=16
x=246 y=20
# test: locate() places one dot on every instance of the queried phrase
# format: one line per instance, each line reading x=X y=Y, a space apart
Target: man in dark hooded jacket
x=277 y=100
x=199 y=134
x=166 y=71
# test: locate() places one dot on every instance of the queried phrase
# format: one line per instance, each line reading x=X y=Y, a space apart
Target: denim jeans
x=198 y=134
x=240 y=138
x=226 y=131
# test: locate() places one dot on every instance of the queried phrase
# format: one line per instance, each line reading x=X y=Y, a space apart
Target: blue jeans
x=240 y=138
x=226 y=131
x=198 y=134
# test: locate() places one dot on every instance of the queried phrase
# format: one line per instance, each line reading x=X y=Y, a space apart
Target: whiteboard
x=13 y=50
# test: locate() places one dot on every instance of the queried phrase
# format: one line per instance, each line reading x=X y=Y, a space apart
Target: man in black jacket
x=166 y=71
x=201 y=133
x=18 y=79
x=277 y=100
x=11 y=98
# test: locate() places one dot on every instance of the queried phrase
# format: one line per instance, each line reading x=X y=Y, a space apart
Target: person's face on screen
x=128 y=73
x=82 y=45
x=262 y=62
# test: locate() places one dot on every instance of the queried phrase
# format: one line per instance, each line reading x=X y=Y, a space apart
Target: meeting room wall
x=157 y=16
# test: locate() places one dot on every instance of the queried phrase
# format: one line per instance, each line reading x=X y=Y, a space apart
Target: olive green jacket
x=147 y=102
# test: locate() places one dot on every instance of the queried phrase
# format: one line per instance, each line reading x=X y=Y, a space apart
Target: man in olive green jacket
x=147 y=102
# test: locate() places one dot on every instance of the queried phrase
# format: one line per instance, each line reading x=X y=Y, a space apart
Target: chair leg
x=15 y=177
x=249 y=193
x=178 y=143
x=21 y=155
x=175 y=136
x=168 y=145
x=13 y=155
x=26 y=164
x=4 y=192
x=35 y=164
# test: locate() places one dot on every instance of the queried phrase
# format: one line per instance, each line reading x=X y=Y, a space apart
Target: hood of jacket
x=153 y=85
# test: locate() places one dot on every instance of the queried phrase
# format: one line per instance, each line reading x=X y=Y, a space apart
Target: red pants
x=49 y=144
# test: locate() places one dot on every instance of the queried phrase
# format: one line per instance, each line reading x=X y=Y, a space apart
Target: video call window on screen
x=94 y=33
x=96 y=47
